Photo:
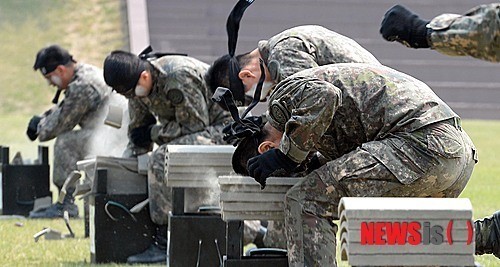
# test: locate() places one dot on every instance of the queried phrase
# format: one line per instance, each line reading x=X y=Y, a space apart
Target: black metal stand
x=115 y=234
x=22 y=184
x=234 y=258
x=196 y=239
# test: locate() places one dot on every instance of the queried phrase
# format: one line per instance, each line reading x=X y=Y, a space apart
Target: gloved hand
x=402 y=25
x=141 y=136
x=264 y=165
x=236 y=131
x=33 y=127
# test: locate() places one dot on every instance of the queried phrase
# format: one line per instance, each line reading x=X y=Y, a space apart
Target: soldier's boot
x=157 y=252
x=488 y=235
x=57 y=209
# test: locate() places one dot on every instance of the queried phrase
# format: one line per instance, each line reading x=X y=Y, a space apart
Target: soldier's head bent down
x=127 y=74
x=56 y=64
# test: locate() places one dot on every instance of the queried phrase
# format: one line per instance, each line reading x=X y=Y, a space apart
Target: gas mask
x=266 y=88
x=56 y=80
x=141 y=91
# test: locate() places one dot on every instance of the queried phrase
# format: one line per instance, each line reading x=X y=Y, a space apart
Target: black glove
x=404 y=26
x=272 y=161
x=236 y=131
x=141 y=136
x=33 y=127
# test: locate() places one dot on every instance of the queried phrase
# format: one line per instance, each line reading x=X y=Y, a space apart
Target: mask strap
x=55 y=100
x=225 y=96
x=147 y=53
x=232 y=28
x=258 y=90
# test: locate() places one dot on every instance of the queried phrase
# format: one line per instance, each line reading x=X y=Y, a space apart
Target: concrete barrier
x=242 y=198
x=197 y=166
x=406 y=231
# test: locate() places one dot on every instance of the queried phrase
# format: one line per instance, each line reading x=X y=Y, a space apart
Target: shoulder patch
x=175 y=96
x=278 y=112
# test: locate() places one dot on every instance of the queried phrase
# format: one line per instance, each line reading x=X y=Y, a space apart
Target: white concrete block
x=252 y=206
x=271 y=216
x=443 y=228
x=199 y=155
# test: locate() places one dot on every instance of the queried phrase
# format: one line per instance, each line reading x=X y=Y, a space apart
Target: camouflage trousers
x=160 y=195
x=274 y=237
x=69 y=148
x=441 y=155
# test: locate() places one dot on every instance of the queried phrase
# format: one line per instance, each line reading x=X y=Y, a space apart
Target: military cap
x=122 y=70
x=48 y=58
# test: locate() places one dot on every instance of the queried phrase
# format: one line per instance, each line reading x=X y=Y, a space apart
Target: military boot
x=488 y=235
x=157 y=252
x=57 y=209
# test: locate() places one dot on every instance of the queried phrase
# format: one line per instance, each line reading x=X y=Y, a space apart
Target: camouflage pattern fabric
x=84 y=104
x=275 y=236
x=476 y=33
x=487 y=232
x=70 y=147
x=309 y=46
x=385 y=134
x=160 y=196
x=179 y=100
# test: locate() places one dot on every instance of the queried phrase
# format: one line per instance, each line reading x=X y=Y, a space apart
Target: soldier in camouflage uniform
x=172 y=91
x=85 y=99
x=384 y=133
x=476 y=33
x=284 y=54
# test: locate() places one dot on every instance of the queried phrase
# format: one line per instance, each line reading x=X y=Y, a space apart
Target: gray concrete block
x=354 y=224
x=411 y=260
x=123 y=176
x=190 y=184
x=243 y=199
x=271 y=216
x=199 y=155
x=405 y=208
x=252 y=206
x=449 y=216
x=251 y=197
x=222 y=170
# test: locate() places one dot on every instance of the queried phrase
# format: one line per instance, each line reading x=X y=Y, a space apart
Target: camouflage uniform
x=385 y=134
x=477 y=33
x=84 y=104
x=309 y=46
x=180 y=100
x=301 y=48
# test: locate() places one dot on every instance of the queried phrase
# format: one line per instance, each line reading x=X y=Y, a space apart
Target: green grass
x=19 y=249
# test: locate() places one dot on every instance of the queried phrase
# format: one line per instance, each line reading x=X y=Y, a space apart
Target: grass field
x=90 y=29
x=19 y=249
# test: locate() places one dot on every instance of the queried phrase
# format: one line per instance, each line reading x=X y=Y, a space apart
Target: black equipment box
x=22 y=184
x=115 y=232
x=196 y=239
x=234 y=258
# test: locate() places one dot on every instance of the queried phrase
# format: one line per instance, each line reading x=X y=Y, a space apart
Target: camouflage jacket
x=309 y=46
x=477 y=33
x=84 y=104
x=179 y=100
x=336 y=108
